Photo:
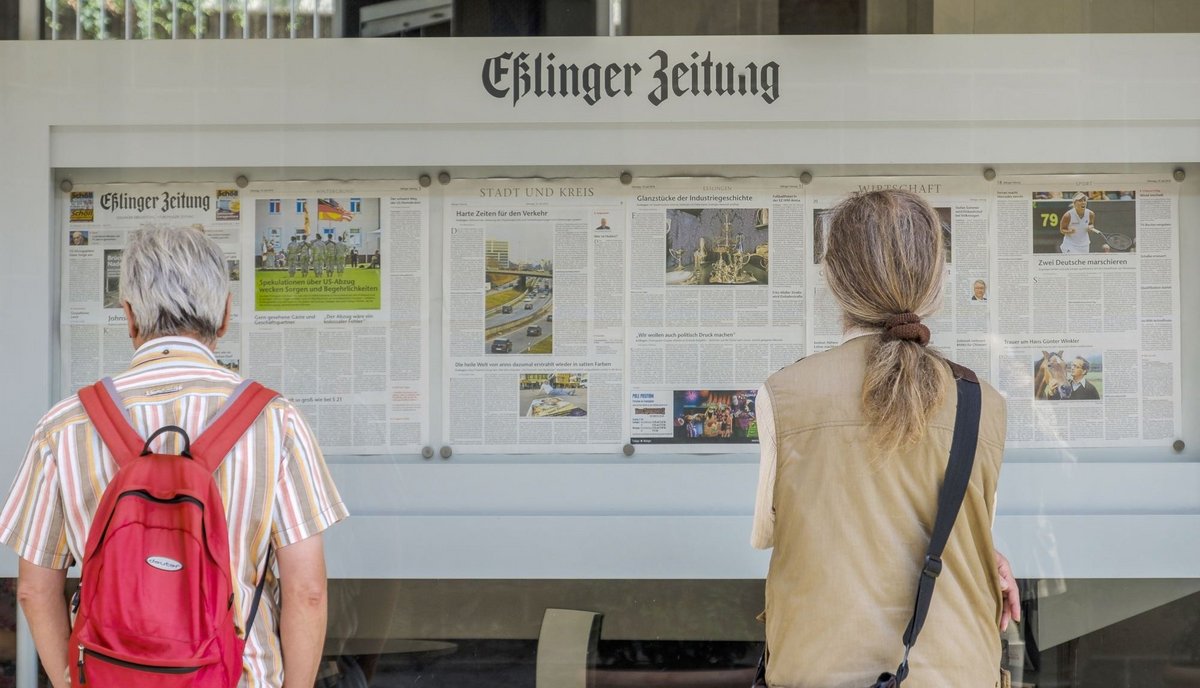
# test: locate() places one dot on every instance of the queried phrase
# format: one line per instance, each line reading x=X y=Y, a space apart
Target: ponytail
x=884 y=262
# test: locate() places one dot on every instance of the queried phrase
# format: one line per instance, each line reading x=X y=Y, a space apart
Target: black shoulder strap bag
x=950 y=498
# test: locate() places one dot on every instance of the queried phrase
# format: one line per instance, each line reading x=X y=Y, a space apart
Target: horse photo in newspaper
x=1050 y=373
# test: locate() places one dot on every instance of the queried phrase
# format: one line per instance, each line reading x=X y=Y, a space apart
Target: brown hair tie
x=906 y=327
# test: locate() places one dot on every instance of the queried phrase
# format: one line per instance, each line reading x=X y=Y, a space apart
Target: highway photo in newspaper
x=96 y=223
x=1088 y=310
x=534 y=275
x=337 y=308
x=716 y=304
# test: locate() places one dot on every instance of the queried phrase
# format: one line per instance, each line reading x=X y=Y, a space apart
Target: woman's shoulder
x=840 y=363
x=993 y=410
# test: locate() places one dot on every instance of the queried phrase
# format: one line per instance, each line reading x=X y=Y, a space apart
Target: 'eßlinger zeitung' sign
x=541 y=75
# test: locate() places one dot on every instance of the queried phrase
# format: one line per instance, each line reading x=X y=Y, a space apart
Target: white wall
x=125 y=111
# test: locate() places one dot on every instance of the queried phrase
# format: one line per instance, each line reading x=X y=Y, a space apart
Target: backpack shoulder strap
x=108 y=417
x=231 y=422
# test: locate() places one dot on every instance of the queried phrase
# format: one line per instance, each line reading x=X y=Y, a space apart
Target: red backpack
x=155 y=603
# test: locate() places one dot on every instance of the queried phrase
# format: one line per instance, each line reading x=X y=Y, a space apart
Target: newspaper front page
x=534 y=328
x=716 y=304
x=96 y=224
x=961 y=330
x=337 y=308
x=1088 y=310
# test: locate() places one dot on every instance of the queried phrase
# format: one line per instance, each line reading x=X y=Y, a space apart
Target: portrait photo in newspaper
x=979 y=290
x=717 y=246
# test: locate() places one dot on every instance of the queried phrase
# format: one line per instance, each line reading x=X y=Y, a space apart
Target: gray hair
x=175 y=281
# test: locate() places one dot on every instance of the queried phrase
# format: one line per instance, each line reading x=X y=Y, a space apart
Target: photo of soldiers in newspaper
x=303 y=254
x=717 y=246
x=518 y=289
x=822 y=216
x=1076 y=221
x=1066 y=375
x=715 y=415
x=553 y=395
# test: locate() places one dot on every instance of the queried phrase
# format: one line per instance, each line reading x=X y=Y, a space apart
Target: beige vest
x=851 y=529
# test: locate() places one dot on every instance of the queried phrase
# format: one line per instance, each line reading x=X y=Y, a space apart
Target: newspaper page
x=716 y=304
x=535 y=314
x=97 y=221
x=1088 y=309
x=337 y=307
x=961 y=329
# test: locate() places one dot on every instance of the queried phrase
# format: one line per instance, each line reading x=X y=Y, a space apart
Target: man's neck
x=140 y=341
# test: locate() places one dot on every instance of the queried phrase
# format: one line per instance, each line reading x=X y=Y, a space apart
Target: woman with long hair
x=855 y=442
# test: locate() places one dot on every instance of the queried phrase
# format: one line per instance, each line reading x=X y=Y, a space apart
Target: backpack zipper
x=145 y=495
x=128 y=665
x=173 y=500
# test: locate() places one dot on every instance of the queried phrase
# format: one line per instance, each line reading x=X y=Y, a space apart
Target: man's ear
x=133 y=328
x=225 y=317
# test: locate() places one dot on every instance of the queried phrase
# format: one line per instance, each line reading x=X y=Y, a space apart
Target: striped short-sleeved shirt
x=275 y=485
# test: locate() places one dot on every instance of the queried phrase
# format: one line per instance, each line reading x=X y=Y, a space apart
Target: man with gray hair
x=274 y=483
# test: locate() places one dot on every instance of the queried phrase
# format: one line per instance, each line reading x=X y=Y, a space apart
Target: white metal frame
x=852 y=105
